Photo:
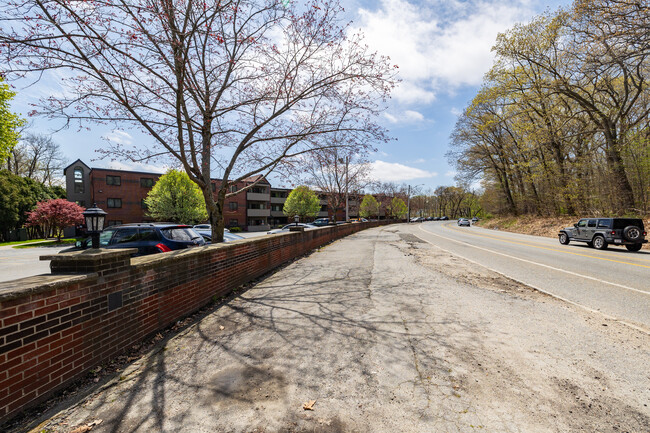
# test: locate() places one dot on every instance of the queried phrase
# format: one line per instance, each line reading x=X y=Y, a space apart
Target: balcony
x=259 y=212
x=277 y=214
x=257 y=196
x=278 y=200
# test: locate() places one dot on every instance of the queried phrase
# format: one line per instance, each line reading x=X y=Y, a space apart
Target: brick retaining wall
x=54 y=328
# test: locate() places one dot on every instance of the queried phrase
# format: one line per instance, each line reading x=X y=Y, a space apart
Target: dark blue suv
x=148 y=238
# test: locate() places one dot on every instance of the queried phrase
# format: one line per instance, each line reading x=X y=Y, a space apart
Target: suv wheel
x=633 y=247
x=563 y=238
x=632 y=233
x=599 y=242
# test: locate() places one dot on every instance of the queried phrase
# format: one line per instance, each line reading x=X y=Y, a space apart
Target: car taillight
x=613 y=232
x=645 y=234
x=163 y=248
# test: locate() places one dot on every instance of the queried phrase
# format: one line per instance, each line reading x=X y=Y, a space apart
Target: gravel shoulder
x=385 y=333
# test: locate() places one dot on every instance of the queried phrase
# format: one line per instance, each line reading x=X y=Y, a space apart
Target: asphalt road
x=615 y=281
x=381 y=332
x=18 y=263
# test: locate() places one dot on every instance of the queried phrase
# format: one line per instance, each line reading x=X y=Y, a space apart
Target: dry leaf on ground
x=87 y=427
x=309 y=405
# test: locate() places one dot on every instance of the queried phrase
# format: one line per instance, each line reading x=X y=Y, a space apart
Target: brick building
x=121 y=194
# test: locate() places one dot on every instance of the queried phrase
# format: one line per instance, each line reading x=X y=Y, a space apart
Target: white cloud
x=408 y=116
x=441 y=43
x=451 y=173
x=119 y=137
x=419 y=161
x=395 y=172
x=138 y=166
x=456 y=112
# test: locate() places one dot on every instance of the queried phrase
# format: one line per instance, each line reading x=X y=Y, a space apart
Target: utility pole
x=408 y=200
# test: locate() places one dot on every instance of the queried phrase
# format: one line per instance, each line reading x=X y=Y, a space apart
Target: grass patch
x=31 y=241
x=44 y=243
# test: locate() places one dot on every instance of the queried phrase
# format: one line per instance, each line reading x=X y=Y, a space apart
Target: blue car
x=148 y=238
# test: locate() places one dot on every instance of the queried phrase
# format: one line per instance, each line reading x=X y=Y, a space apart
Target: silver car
x=463 y=222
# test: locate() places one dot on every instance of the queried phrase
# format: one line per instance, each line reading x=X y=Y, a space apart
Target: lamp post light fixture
x=296 y=219
x=94 y=223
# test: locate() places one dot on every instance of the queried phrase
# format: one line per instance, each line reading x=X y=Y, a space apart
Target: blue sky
x=442 y=48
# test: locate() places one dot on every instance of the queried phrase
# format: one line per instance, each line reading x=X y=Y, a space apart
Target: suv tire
x=632 y=233
x=633 y=247
x=599 y=242
x=564 y=238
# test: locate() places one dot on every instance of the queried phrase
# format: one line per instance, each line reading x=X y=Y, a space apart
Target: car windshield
x=105 y=237
x=621 y=223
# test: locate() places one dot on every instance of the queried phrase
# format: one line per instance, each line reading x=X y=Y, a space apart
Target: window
x=179 y=234
x=257 y=205
x=582 y=223
x=146 y=182
x=276 y=207
x=234 y=222
x=323 y=208
x=78 y=180
x=114 y=202
x=592 y=223
x=233 y=205
x=604 y=224
x=143 y=204
x=258 y=190
x=233 y=188
x=123 y=236
x=148 y=235
x=113 y=180
x=214 y=187
x=105 y=237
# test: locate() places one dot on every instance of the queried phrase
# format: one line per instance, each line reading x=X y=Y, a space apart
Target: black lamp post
x=94 y=223
x=296 y=219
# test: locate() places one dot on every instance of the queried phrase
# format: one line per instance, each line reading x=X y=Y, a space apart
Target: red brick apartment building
x=121 y=194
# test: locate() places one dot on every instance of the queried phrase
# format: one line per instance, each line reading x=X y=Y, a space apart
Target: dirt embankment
x=537 y=226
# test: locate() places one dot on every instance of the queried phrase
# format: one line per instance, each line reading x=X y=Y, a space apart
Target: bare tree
x=38 y=157
x=336 y=172
x=233 y=88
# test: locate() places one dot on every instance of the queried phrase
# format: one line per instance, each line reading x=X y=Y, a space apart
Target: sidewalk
x=379 y=332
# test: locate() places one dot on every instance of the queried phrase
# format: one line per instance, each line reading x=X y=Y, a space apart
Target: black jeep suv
x=600 y=232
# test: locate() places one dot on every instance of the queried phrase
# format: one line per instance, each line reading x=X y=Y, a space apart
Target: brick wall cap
x=39 y=283
x=173 y=256
x=91 y=255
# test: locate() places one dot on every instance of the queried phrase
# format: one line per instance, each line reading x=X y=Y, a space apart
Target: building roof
x=77 y=162
x=258 y=178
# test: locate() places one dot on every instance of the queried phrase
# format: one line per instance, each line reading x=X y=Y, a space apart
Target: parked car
x=321 y=222
x=358 y=220
x=286 y=228
x=463 y=222
x=227 y=236
x=148 y=238
x=444 y=218
x=601 y=232
x=207 y=228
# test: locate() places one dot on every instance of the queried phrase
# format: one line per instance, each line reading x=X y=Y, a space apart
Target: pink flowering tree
x=52 y=216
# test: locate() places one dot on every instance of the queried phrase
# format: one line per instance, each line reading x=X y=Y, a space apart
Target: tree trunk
x=624 y=193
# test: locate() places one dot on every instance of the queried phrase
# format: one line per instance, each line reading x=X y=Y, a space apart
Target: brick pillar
x=101 y=261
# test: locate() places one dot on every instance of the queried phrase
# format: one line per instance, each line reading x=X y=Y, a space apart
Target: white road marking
x=535 y=263
x=553 y=295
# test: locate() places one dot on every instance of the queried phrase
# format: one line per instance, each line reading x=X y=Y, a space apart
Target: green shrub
x=235 y=229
